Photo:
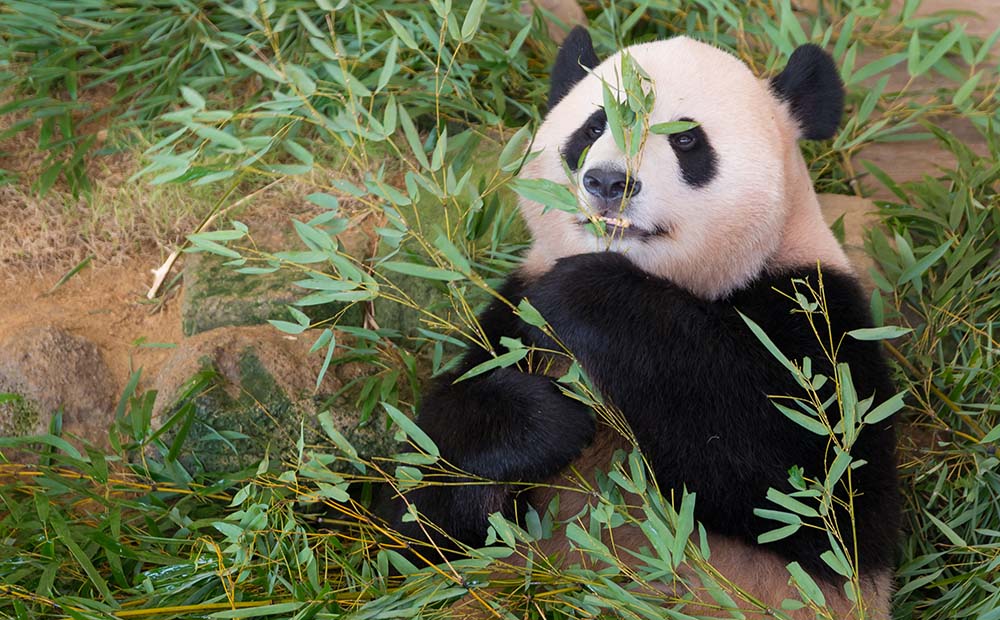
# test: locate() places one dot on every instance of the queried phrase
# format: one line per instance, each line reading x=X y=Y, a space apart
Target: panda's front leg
x=503 y=428
x=643 y=340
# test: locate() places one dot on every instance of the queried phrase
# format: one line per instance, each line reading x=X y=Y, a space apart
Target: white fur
x=760 y=211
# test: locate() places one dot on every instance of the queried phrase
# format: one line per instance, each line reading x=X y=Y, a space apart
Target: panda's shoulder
x=784 y=300
x=789 y=287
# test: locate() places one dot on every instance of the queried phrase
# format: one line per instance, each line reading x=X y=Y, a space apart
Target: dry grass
x=121 y=220
x=117 y=221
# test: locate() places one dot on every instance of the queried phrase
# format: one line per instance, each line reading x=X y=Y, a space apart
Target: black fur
x=576 y=55
x=699 y=163
x=693 y=382
x=505 y=425
x=584 y=137
x=811 y=85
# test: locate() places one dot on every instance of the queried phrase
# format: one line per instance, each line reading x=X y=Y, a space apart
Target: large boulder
x=258 y=393
x=215 y=295
x=49 y=369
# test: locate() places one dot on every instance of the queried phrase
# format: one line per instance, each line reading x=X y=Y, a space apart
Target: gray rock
x=216 y=295
x=50 y=369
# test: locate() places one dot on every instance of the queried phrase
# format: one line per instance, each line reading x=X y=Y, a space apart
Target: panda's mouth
x=620 y=228
x=616 y=222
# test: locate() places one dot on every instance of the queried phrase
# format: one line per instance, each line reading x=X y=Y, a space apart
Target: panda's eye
x=684 y=141
x=595 y=131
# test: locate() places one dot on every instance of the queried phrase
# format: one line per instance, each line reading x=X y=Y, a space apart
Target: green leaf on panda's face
x=612 y=109
x=673 y=127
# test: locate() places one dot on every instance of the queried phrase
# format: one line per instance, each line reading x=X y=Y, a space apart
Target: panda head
x=709 y=208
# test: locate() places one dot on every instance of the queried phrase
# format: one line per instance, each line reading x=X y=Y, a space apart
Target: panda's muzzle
x=609 y=194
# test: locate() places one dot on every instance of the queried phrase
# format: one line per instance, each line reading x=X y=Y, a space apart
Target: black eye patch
x=584 y=136
x=695 y=155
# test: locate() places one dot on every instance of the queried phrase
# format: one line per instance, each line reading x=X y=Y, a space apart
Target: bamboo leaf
x=940 y=49
x=514 y=151
x=673 y=127
x=501 y=361
x=66 y=538
x=875 y=67
x=423 y=271
x=886 y=332
x=261 y=68
x=915 y=271
x=806 y=585
x=389 y=68
x=913 y=53
x=472 y=18
x=257 y=611
x=410 y=428
x=885 y=409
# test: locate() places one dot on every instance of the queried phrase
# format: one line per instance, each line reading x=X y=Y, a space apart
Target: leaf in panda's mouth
x=617 y=222
x=620 y=228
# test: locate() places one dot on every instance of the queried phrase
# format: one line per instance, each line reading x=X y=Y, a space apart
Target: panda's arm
x=693 y=382
x=504 y=425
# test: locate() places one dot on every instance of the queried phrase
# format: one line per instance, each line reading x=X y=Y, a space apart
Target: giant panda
x=711 y=222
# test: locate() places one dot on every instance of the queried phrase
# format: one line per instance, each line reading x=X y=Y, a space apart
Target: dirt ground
x=909 y=161
x=982 y=25
x=104 y=304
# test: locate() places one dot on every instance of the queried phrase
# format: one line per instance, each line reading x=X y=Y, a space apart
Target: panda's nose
x=610 y=184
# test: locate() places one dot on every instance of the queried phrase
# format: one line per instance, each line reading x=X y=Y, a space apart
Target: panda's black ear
x=811 y=86
x=576 y=52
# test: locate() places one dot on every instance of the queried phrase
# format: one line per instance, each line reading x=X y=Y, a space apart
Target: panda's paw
x=558 y=429
x=571 y=426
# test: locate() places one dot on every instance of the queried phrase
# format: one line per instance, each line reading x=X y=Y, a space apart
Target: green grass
x=373 y=108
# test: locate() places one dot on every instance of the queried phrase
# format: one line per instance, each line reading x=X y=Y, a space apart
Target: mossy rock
x=19 y=416
x=216 y=295
x=256 y=398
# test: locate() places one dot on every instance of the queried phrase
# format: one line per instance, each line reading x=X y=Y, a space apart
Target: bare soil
x=105 y=305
